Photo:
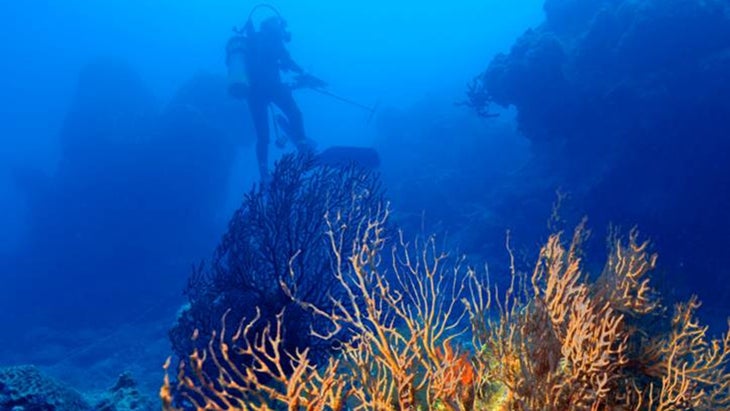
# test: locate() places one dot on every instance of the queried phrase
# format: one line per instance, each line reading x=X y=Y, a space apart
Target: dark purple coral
x=276 y=237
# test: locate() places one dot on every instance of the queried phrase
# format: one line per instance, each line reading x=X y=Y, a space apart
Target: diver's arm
x=288 y=64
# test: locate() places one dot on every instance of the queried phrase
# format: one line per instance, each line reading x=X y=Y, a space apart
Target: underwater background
x=123 y=158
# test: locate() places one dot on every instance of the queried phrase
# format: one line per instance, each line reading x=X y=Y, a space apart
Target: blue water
x=122 y=158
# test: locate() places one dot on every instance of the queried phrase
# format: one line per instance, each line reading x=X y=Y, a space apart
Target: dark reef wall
x=132 y=203
x=627 y=107
x=618 y=65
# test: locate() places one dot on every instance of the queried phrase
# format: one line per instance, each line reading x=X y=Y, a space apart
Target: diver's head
x=275 y=27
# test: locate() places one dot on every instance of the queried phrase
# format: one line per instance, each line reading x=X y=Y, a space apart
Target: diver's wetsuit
x=267 y=56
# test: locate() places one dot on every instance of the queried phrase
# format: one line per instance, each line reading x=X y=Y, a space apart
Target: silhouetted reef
x=624 y=103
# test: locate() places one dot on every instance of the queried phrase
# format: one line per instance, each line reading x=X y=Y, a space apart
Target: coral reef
x=596 y=62
x=277 y=237
x=26 y=388
x=123 y=396
x=614 y=94
x=553 y=340
x=573 y=344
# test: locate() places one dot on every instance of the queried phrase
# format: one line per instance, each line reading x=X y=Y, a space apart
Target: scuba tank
x=236 y=51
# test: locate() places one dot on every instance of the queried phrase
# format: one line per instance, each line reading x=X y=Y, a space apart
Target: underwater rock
x=205 y=98
x=569 y=15
x=621 y=62
x=133 y=199
x=195 y=146
x=111 y=105
x=533 y=68
x=25 y=388
x=603 y=87
x=124 y=396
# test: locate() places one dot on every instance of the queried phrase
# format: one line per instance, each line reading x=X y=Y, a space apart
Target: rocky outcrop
x=626 y=106
x=25 y=388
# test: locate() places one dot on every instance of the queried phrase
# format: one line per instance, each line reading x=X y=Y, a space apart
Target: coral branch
x=399 y=323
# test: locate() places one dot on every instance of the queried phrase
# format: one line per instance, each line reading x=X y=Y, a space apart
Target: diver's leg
x=286 y=103
x=260 y=117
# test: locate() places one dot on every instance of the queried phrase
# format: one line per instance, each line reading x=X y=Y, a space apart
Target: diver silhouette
x=256 y=59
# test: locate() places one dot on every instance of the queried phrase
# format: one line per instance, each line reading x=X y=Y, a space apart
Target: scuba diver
x=255 y=61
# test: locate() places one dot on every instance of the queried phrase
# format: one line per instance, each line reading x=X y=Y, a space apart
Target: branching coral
x=557 y=341
x=272 y=225
x=692 y=369
x=403 y=321
x=571 y=344
x=624 y=282
x=559 y=347
x=395 y=330
x=263 y=383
